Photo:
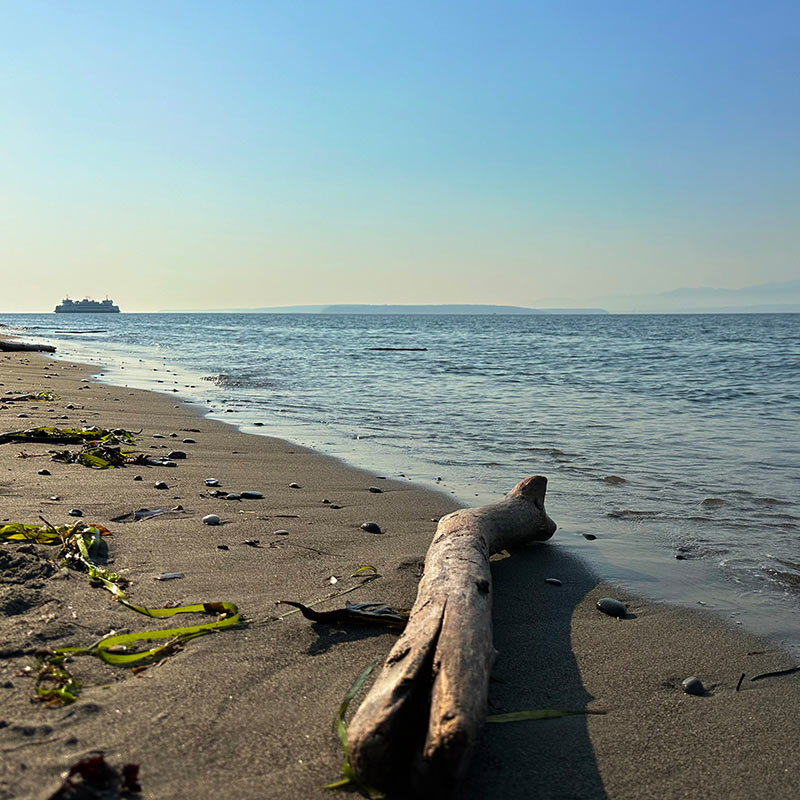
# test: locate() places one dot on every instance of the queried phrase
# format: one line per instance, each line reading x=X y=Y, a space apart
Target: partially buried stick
x=418 y=723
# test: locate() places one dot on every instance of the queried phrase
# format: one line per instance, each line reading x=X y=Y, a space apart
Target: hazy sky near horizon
x=205 y=154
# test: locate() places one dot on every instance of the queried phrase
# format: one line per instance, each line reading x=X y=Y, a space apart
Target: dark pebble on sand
x=325 y=501
x=160 y=485
x=249 y=495
x=590 y=536
x=211 y=482
x=233 y=496
x=371 y=527
x=138 y=478
x=44 y=471
x=176 y=454
x=75 y=512
x=159 y=436
x=693 y=685
x=282 y=532
x=375 y=490
x=222 y=547
x=333 y=505
x=294 y=485
x=612 y=607
x=259 y=424
x=55 y=498
x=189 y=441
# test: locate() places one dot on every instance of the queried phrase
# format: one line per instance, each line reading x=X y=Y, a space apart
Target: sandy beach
x=250 y=712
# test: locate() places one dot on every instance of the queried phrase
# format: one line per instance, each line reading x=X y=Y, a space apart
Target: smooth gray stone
x=176 y=454
x=138 y=478
x=375 y=490
x=44 y=471
x=189 y=441
x=252 y=495
x=211 y=519
x=75 y=512
x=282 y=532
x=211 y=482
x=160 y=485
x=612 y=607
x=159 y=436
x=233 y=496
x=294 y=485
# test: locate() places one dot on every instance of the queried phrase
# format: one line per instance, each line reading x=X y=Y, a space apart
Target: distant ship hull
x=86 y=307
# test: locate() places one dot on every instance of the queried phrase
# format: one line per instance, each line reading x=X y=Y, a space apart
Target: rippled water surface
x=673 y=439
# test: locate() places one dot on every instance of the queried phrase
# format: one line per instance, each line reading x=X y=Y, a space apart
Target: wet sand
x=249 y=712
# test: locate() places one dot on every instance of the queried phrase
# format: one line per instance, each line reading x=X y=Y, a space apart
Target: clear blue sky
x=216 y=154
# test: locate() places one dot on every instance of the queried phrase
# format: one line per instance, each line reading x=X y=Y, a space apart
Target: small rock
x=167 y=463
x=169 y=576
x=22 y=415
x=294 y=485
x=55 y=498
x=282 y=532
x=614 y=480
x=553 y=581
x=211 y=482
x=75 y=512
x=159 y=436
x=161 y=485
x=173 y=435
x=333 y=505
x=211 y=519
x=222 y=547
x=375 y=490
x=693 y=685
x=325 y=501
x=44 y=471
x=233 y=496
x=259 y=424
x=250 y=495
x=189 y=441
x=176 y=454
x=177 y=508
x=612 y=607
x=69 y=406
x=371 y=527
x=590 y=536
x=138 y=478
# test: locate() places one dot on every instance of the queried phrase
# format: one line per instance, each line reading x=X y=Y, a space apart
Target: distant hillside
x=394 y=309
x=765 y=298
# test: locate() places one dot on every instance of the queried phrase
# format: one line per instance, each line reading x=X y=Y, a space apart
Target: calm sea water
x=674 y=439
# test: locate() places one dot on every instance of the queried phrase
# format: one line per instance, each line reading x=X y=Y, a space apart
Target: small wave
x=234 y=381
x=628 y=513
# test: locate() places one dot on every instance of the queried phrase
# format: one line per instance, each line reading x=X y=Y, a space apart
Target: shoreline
x=249 y=712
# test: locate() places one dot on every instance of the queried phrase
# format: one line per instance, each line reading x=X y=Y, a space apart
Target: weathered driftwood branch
x=414 y=731
x=22 y=347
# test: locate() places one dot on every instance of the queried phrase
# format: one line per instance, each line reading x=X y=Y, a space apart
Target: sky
x=243 y=153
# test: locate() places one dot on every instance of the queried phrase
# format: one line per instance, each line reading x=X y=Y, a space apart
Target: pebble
x=553 y=581
x=325 y=501
x=282 y=532
x=176 y=454
x=233 y=496
x=159 y=436
x=44 y=471
x=211 y=482
x=69 y=406
x=22 y=415
x=138 y=478
x=167 y=463
x=189 y=441
x=294 y=485
x=161 y=485
x=259 y=424
x=590 y=536
x=169 y=576
x=222 y=547
x=371 y=527
x=55 y=498
x=333 y=505
x=173 y=436
x=375 y=490
x=693 y=685
x=250 y=495
x=612 y=607
x=211 y=519
x=75 y=512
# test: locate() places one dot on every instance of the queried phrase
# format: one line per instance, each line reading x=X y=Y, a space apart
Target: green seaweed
x=341 y=731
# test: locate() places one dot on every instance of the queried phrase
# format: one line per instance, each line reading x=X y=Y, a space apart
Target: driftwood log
x=412 y=735
x=22 y=347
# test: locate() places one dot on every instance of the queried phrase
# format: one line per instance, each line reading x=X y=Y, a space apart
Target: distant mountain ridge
x=394 y=309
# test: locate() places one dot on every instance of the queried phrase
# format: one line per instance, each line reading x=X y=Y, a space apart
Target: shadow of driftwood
x=535 y=669
x=330 y=635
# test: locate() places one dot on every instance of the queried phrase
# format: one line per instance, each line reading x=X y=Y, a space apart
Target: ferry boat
x=67 y=306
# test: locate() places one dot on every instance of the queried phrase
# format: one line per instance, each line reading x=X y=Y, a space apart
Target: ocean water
x=675 y=440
